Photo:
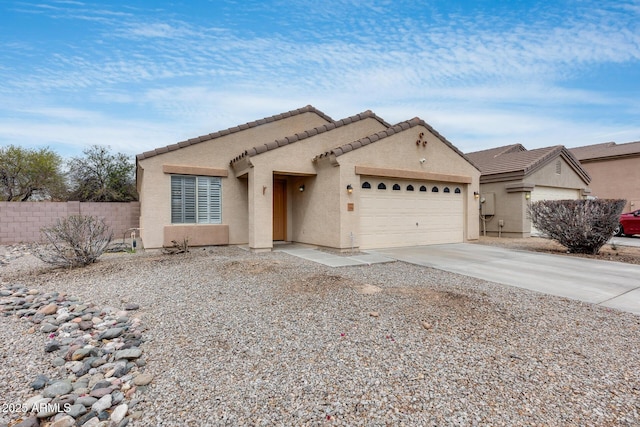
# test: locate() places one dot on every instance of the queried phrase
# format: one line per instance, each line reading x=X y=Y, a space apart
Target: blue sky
x=139 y=75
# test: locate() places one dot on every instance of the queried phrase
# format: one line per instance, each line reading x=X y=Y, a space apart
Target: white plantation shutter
x=209 y=206
x=196 y=200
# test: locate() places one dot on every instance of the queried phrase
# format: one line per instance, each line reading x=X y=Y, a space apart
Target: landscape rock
x=65 y=421
x=111 y=333
x=130 y=353
x=87 y=344
x=102 y=404
x=58 y=388
x=48 y=309
x=119 y=413
x=29 y=422
x=76 y=410
x=40 y=382
x=143 y=379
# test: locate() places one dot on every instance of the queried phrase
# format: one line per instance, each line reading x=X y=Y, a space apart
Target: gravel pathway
x=236 y=338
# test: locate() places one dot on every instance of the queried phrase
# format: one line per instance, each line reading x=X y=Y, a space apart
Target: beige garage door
x=397 y=213
x=552 y=193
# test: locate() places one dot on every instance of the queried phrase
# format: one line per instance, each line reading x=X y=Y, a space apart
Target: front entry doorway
x=279 y=209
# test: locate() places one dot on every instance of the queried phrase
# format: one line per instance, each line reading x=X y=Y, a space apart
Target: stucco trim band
x=194 y=170
x=519 y=187
x=197 y=234
x=409 y=174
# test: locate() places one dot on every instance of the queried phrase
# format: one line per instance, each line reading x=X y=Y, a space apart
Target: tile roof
x=606 y=150
x=484 y=156
x=218 y=134
x=515 y=161
x=306 y=134
x=400 y=127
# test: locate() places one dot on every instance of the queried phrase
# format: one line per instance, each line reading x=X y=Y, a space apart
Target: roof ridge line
x=228 y=131
x=334 y=124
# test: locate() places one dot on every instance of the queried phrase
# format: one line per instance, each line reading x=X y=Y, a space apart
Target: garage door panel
x=391 y=218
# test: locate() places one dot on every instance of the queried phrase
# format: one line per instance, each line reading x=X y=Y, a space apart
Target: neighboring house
x=614 y=170
x=512 y=177
x=302 y=177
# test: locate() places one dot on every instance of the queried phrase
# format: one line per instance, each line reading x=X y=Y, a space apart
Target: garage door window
x=381 y=186
x=423 y=188
x=366 y=185
x=434 y=190
x=457 y=191
x=409 y=187
x=446 y=190
x=396 y=187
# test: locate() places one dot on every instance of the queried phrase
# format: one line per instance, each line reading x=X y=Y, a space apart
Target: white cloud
x=484 y=79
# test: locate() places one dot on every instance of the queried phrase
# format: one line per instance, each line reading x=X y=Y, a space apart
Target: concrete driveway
x=610 y=284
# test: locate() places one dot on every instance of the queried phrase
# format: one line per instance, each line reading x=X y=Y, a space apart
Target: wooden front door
x=279 y=209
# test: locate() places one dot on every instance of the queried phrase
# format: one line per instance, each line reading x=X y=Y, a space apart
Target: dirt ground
x=627 y=254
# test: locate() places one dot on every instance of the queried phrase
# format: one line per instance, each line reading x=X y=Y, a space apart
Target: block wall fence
x=20 y=222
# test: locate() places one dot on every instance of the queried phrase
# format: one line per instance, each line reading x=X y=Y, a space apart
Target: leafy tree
x=101 y=176
x=28 y=174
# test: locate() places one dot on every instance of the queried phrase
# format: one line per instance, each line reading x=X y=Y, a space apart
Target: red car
x=629 y=224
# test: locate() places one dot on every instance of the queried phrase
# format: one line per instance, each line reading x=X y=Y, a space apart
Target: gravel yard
x=237 y=338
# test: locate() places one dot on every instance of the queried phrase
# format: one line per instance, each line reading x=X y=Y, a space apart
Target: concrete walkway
x=606 y=283
x=311 y=253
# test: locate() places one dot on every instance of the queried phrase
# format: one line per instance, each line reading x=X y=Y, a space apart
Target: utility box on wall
x=488 y=204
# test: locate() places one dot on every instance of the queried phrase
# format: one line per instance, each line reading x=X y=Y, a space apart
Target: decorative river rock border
x=97 y=353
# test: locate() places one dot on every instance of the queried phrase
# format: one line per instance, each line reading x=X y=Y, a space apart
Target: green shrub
x=75 y=241
x=582 y=226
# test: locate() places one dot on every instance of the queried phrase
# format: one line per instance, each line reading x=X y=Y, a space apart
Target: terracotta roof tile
x=309 y=133
x=606 y=150
x=224 y=132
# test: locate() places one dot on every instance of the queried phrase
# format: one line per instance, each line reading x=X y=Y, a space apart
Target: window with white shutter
x=196 y=199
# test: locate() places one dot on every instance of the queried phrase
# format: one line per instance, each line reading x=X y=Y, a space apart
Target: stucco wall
x=510 y=207
x=20 y=222
x=154 y=184
x=316 y=220
x=616 y=179
x=547 y=176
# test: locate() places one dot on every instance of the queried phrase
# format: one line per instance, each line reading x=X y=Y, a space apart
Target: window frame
x=198 y=199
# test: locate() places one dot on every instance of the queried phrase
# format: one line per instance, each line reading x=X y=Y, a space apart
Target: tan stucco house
x=303 y=177
x=512 y=177
x=614 y=170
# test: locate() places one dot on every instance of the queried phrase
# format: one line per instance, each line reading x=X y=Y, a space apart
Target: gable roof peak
x=522 y=162
x=334 y=124
x=397 y=128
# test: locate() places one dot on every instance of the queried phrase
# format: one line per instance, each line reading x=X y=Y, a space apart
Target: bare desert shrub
x=75 y=241
x=582 y=226
x=177 y=247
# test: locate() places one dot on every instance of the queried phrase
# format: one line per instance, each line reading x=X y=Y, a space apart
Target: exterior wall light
x=301 y=188
x=527 y=196
x=476 y=195
x=349 y=189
